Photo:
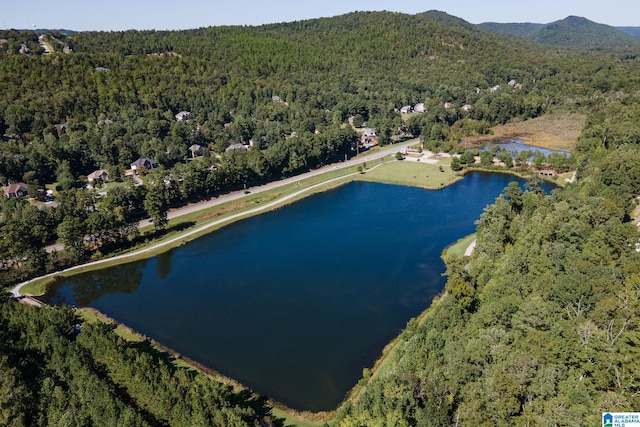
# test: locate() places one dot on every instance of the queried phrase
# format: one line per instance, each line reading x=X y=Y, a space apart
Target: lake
x=294 y=303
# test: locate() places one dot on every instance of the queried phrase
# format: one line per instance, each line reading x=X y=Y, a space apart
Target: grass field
x=459 y=247
x=417 y=174
x=555 y=131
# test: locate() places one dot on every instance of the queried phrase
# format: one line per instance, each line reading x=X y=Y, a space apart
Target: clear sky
x=115 y=15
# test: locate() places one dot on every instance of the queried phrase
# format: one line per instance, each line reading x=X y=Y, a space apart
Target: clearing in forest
x=555 y=131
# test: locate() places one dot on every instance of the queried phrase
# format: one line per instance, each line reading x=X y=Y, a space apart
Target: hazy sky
x=87 y=15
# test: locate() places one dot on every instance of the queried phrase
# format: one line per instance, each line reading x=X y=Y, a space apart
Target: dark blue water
x=294 y=303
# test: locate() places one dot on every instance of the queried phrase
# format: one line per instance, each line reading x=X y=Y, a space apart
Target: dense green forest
x=539 y=326
x=53 y=374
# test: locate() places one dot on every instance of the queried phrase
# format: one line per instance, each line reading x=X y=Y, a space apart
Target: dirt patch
x=557 y=131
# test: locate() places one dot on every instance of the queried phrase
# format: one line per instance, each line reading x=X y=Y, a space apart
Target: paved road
x=274 y=184
x=233 y=196
x=195 y=207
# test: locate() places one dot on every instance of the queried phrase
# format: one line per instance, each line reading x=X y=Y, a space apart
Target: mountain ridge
x=570 y=32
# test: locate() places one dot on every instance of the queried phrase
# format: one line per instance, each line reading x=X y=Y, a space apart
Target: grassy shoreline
x=389 y=171
x=458 y=248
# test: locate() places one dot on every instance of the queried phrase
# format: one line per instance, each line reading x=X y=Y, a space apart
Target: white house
x=183 y=116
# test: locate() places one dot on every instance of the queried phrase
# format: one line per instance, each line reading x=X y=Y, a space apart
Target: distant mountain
x=446 y=19
x=575 y=31
x=523 y=30
x=634 y=31
x=571 y=32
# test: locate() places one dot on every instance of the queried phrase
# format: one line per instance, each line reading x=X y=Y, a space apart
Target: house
x=101 y=69
x=183 y=116
x=466 y=107
x=495 y=88
x=512 y=83
x=406 y=109
x=368 y=137
x=100 y=175
x=236 y=147
x=61 y=128
x=195 y=150
x=19 y=189
x=419 y=108
x=447 y=105
x=276 y=98
x=143 y=163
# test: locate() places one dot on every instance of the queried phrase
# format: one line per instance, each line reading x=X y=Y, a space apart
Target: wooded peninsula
x=539 y=326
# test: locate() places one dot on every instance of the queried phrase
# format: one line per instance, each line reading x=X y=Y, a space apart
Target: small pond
x=517 y=147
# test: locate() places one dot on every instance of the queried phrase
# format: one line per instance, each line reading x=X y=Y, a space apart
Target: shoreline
x=184 y=237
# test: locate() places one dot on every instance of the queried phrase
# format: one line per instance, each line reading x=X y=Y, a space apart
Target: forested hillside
x=53 y=374
x=539 y=326
x=571 y=32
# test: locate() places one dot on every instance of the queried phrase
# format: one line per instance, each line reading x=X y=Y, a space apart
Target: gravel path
x=470 y=248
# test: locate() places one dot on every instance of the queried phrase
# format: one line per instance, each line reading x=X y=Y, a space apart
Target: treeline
x=540 y=325
x=92 y=224
x=54 y=373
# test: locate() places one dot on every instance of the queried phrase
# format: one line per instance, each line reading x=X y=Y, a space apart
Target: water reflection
x=85 y=289
x=164 y=264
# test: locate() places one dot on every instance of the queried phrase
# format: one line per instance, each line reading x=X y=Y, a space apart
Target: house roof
x=143 y=161
x=236 y=147
x=15 y=188
x=97 y=174
x=183 y=115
